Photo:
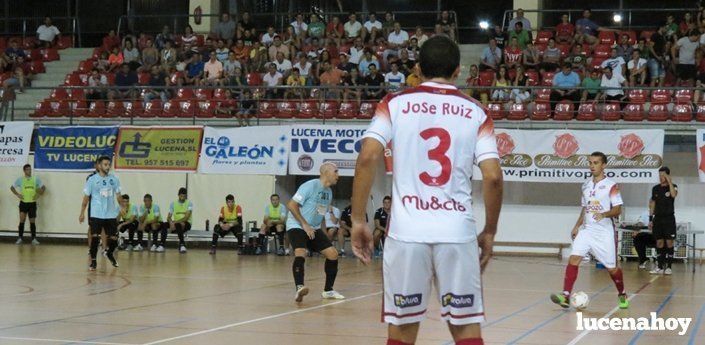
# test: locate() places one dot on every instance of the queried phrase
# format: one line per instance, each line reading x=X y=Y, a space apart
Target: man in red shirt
x=565 y=31
x=513 y=54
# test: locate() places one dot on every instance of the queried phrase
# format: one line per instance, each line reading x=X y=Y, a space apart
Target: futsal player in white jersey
x=437 y=134
x=595 y=231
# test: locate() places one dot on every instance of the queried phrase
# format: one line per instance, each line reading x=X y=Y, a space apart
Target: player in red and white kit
x=437 y=134
x=595 y=231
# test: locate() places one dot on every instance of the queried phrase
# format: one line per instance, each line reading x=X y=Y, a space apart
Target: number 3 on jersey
x=438 y=154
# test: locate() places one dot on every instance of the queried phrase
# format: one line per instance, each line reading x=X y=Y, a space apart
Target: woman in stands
x=131 y=55
x=502 y=80
x=115 y=59
x=189 y=39
x=168 y=55
x=520 y=94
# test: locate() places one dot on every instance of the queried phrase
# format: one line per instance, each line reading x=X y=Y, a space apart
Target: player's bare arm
x=295 y=210
x=492 y=188
x=615 y=211
x=84 y=204
x=368 y=159
x=578 y=223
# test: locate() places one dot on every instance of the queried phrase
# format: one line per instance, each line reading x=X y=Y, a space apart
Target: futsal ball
x=579 y=300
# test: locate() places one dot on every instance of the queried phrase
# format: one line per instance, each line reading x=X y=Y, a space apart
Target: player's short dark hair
x=273 y=195
x=125 y=197
x=148 y=196
x=26 y=166
x=101 y=159
x=439 y=57
x=387 y=197
x=602 y=156
x=182 y=190
x=230 y=197
x=665 y=169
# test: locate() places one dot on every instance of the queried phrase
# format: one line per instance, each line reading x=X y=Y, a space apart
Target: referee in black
x=662 y=220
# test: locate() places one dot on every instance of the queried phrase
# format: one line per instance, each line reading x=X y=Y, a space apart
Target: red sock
x=571 y=274
x=618 y=280
x=470 y=341
x=396 y=342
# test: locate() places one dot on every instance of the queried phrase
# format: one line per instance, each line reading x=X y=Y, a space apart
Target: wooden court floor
x=47 y=296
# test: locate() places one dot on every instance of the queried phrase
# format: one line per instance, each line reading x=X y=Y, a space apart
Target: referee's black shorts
x=30 y=208
x=97 y=225
x=664 y=227
x=299 y=239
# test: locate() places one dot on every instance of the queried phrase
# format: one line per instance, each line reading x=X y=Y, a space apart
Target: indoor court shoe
x=258 y=251
x=153 y=248
x=212 y=251
x=160 y=249
x=35 y=242
x=138 y=248
x=93 y=265
x=280 y=251
x=19 y=241
x=623 y=301
x=642 y=265
x=667 y=272
x=182 y=249
x=332 y=294
x=656 y=270
x=112 y=260
x=301 y=291
x=286 y=252
x=560 y=299
x=129 y=248
x=342 y=253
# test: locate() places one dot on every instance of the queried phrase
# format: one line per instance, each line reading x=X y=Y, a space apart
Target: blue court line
x=658 y=310
x=136 y=330
x=562 y=313
x=696 y=326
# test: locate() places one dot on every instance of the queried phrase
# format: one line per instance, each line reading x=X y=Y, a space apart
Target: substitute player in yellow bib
x=180 y=217
x=28 y=188
x=229 y=220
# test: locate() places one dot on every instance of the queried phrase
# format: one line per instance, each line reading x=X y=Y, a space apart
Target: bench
x=552 y=245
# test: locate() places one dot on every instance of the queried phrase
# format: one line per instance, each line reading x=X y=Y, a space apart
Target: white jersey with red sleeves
x=437 y=134
x=600 y=197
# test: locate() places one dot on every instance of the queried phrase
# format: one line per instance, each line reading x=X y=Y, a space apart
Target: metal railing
x=629 y=15
x=27 y=27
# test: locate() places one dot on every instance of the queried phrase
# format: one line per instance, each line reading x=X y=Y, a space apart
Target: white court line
x=64 y=341
x=262 y=319
x=586 y=332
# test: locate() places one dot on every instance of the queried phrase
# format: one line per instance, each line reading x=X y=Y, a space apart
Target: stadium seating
x=634 y=112
x=587 y=112
x=541 y=111
x=496 y=111
x=682 y=112
x=611 y=112
x=564 y=111
x=658 y=112
x=517 y=112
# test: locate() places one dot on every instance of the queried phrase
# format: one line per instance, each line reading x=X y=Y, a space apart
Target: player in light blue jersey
x=102 y=190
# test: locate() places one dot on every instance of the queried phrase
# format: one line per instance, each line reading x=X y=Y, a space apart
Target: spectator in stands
x=246 y=24
x=248 y=38
x=387 y=24
x=316 y=28
x=413 y=49
x=163 y=37
x=176 y=77
x=213 y=71
x=398 y=39
x=413 y=79
x=168 y=55
x=637 y=69
x=419 y=35
x=247 y=108
x=616 y=63
x=473 y=80
x=115 y=59
x=237 y=82
x=372 y=27
x=102 y=64
x=367 y=61
x=97 y=86
x=520 y=92
x=188 y=39
x=520 y=34
x=531 y=56
x=142 y=41
x=14 y=51
x=447 y=24
x=520 y=19
x=357 y=51
x=491 y=56
x=565 y=31
x=283 y=65
x=687 y=25
x=300 y=26
x=345 y=64
x=226 y=28
x=304 y=67
x=158 y=80
x=47 y=33
x=331 y=77
x=318 y=66
x=611 y=86
x=586 y=29
x=241 y=51
x=578 y=59
x=659 y=52
x=258 y=58
x=373 y=84
x=671 y=27
x=206 y=49
x=268 y=37
x=272 y=79
x=499 y=36
x=111 y=41
x=278 y=47
x=512 y=54
x=406 y=65
x=194 y=70
x=353 y=28
x=131 y=55
x=591 y=86
x=221 y=51
x=353 y=83
x=295 y=82
x=501 y=83
x=565 y=86
x=394 y=80
x=624 y=49
x=551 y=57
x=683 y=54
x=335 y=30
x=150 y=56
x=126 y=79
x=17 y=81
